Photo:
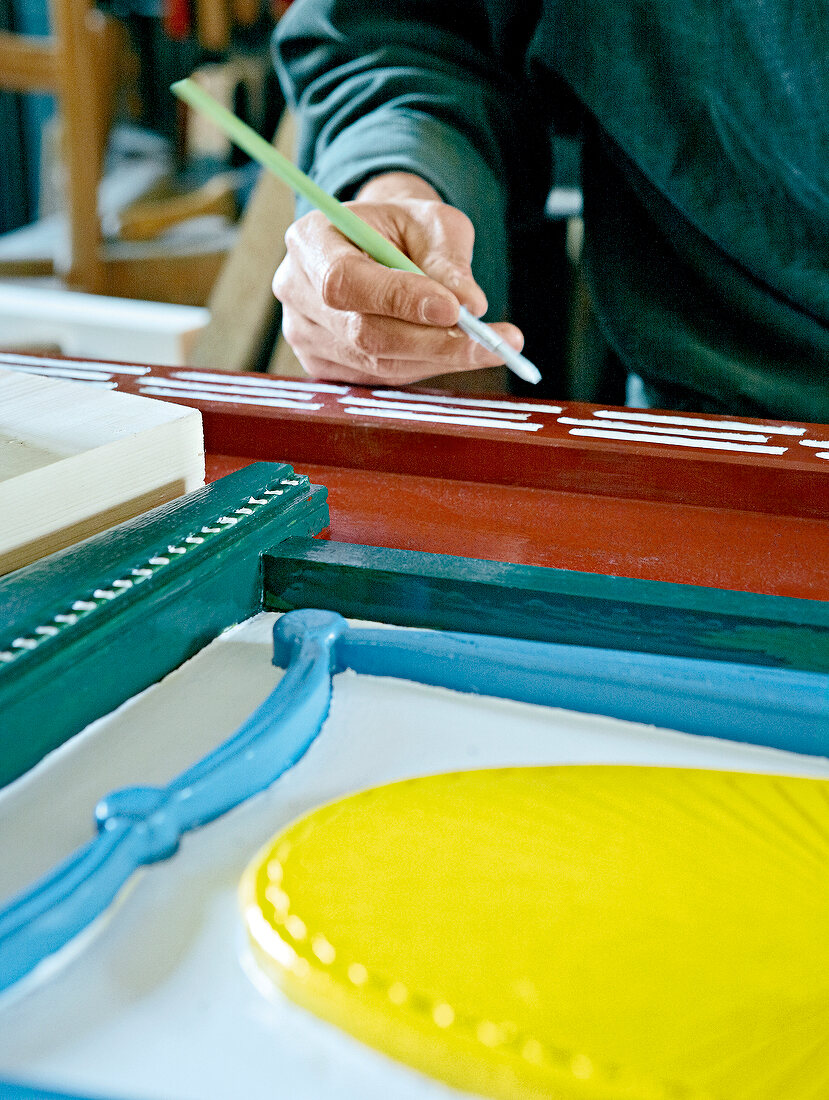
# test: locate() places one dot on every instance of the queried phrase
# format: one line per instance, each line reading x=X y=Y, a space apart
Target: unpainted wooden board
x=76 y=459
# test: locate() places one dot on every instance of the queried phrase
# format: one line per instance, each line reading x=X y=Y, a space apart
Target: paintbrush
x=340 y=216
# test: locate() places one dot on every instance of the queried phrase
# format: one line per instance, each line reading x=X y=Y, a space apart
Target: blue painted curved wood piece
x=781 y=708
x=140 y=825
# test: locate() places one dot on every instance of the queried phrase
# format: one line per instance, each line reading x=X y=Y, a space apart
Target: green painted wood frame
x=87 y=628
x=410 y=588
x=90 y=626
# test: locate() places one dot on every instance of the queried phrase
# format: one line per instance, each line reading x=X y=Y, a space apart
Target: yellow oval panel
x=637 y=933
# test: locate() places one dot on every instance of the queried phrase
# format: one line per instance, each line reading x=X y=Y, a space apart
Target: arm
x=401 y=111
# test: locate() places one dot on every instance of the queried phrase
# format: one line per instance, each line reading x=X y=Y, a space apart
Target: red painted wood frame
x=697 y=499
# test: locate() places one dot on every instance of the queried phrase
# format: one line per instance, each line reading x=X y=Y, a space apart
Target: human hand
x=351 y=319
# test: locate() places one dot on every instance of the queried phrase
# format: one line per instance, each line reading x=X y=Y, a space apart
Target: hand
x=351 y=319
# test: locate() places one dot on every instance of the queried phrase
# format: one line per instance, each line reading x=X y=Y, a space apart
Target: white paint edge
x=472 y=402
x=232 y=399
x=411 y=406
x=13 y=362
x=677 y=441
x=621 y=425
x=468 y=421
x=65 y=372
x=813 y=442
x=248 y=391
x=264 y=380
x=700 y=422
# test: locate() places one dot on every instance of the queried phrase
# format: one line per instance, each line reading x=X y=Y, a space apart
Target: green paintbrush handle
x=374 y=244
x=366 y=238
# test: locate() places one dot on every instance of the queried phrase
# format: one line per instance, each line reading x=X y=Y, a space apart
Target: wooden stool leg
x=242 y=306
x=86 y=55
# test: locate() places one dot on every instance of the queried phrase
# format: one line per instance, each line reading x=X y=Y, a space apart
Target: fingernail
x=437 y=311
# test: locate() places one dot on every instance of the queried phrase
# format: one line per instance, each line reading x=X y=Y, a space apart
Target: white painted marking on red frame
x=230 y=398
x=13 y=362
x=677 y=441
x=472 y=402
x=622 y=425
x=467 y=421
x=65 y=372
x=414 y=406
x=231 y=388
x=699 y=422
x=263 y=380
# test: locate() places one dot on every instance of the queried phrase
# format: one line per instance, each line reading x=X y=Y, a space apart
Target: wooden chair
x=79 y=64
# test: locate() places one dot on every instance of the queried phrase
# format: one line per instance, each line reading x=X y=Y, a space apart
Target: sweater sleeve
x=406 y=85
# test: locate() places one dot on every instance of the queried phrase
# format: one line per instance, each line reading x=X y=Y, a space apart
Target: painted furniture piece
x=696 y=500
x=165 y=972
x=82 y=41
x=89 y=628
x=535 y=531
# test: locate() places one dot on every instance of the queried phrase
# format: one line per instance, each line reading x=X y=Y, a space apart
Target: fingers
x=384 y=351
x=362 y=336
x=342 y=277
x=348 y=317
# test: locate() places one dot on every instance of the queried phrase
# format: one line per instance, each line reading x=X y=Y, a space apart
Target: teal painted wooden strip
x=416 y=589
x=92 y=625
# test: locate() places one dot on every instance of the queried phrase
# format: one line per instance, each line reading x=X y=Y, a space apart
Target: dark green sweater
x=707 y=162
